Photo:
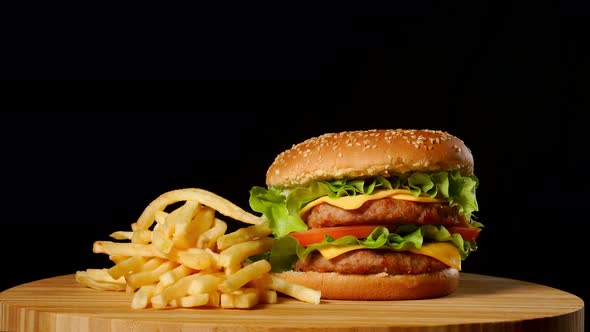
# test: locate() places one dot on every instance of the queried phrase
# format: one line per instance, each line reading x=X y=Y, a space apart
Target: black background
x=210 y=108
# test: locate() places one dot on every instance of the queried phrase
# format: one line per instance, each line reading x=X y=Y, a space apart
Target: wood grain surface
x=482 y=303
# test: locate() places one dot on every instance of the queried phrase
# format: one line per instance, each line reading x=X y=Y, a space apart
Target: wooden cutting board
x=482 y=303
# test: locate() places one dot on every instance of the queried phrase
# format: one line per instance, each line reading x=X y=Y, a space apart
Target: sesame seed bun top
x=363 y=153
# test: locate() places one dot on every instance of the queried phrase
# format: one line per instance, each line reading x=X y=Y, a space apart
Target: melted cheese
x=355 y=202
x=442 y=251
x=330 y=252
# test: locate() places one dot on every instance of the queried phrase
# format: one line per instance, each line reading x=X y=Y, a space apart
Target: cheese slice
x=330 y=252
x=355 y=202
x=442 y=251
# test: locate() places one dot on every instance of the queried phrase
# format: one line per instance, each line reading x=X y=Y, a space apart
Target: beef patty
x=366 y=261
x=385 y=211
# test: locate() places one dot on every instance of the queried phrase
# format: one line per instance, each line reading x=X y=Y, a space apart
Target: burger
x=382 y=214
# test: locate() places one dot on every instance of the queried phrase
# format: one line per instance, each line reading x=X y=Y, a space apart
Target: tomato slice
x=316 y=235
x=467 y=233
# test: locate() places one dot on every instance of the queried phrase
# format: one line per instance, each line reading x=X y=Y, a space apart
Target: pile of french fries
x=178 y=254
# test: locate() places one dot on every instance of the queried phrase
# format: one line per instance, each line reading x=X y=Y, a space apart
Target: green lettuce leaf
x=284 y=205
x=272 y=204
x=286 y=250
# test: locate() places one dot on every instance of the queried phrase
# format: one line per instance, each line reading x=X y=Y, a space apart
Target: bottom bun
x=380 y=286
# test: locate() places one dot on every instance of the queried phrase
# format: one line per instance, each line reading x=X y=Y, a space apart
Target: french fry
x=214 y=299
x=143 y=278
x=188 y=231
x=126 y=249
x=186 y=260
x=117 y=258
x=242 y=235
x=162 y=242
x=208 y=239
x=103 y=276
x=267 y=296
x=214 y=257
x=141 y=298
x=130 y=289
x=248 y=299
x=204 y=219
x=205 y=197
x=237 y=253
x=143 y=236
x=243 y=299
x=172 y=230
x=205 y=283
x=174 y=291
x=227 y=301
x=232 y=269
x=121 y=235
x=196 y=300
x=82 y=277
x=185 y=234
x=160 y=216
x=131 y=264
x=167 y=227
x=195 y=258
x=153 y=263
x=294 y=290
x=170 y=277
x=245 y=275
